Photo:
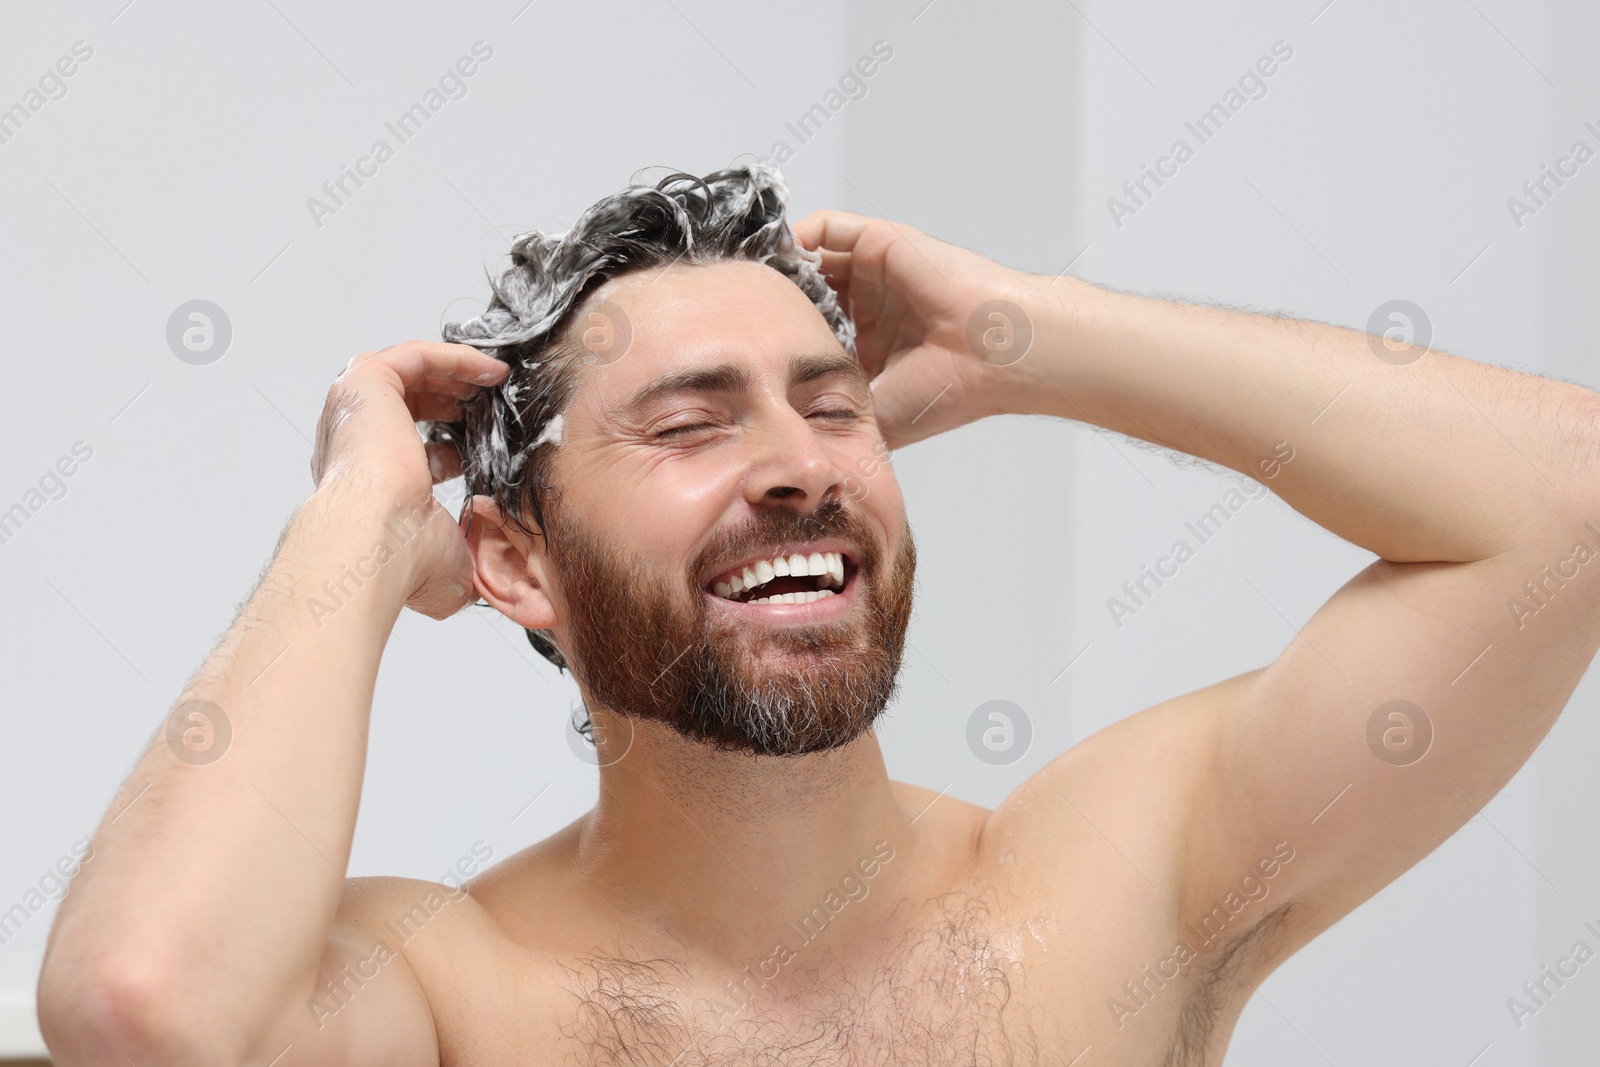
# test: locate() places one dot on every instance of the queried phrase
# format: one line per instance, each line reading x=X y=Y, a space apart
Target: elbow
x=115 y=1014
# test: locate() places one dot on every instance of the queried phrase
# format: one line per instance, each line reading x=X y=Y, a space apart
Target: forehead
x=661 y=321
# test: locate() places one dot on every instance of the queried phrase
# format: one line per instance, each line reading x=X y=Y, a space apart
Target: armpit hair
x=1219 y=984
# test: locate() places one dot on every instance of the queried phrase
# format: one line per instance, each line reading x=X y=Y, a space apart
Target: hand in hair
x=368 y=448
x=944 y=332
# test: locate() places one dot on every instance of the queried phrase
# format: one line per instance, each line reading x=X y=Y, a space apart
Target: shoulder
x=435 y=927
x=1123 y=797
x=921 y=801
x=403 y=911
x=948 y=828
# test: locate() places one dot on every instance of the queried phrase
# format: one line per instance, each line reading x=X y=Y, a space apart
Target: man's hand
x=149 y=961
x=944 y=333
x=367 y=441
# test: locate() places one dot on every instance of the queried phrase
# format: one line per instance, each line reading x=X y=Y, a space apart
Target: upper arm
x=366 y=1004
x=1399 y=709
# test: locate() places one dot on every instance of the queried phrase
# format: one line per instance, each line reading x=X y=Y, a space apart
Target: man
x=660 y=413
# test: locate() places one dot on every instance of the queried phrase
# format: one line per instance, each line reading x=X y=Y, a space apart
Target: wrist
x=346 y=538
x=1052 y=309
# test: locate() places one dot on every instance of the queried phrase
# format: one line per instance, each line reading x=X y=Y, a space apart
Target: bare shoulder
x=1120 y=800
x=1122 y=795
x=444 y=943
x=948 y=829
x=411 y=916
x=920 y=801
x=438 y=930
x=375 y=997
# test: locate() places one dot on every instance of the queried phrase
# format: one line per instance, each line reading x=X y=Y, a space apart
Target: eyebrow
x=735 y=378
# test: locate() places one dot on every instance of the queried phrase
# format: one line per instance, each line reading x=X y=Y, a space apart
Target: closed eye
x=673 y=431
x=837 y=414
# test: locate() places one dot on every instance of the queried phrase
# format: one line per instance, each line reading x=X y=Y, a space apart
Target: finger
x=837 y=273
x=430 y=407
x=414 y=361
x=444 y=462
x=807 y=229
x=359 y=357
x=837 y=231
x=440 y=598
x=450 y=387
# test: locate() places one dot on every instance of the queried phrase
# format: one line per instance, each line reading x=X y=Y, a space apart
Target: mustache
x=831 y=518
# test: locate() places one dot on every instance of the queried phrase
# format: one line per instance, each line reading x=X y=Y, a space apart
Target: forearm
x=216 y=877
x=1441 y=458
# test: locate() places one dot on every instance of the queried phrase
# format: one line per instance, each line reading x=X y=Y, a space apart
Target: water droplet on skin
x=1033 y=931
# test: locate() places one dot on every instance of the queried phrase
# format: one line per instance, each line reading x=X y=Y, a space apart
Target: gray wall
x=178 y=164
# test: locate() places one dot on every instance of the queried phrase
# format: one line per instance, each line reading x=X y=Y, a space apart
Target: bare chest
x=968 y=983
x=953 y=991
x=997 y=972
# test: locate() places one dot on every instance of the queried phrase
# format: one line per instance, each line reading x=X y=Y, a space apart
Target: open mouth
x=785 y=578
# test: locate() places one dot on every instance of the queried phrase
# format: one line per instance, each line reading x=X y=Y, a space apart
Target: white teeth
x=826 y=565
x=794 y=598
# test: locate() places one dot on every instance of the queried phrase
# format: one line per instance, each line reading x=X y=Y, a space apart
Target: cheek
x=882 y=498
x=663 y=509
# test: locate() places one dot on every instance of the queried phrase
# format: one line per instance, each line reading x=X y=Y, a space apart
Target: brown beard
x=645 y=644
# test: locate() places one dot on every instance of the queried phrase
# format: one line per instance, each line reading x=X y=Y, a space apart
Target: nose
x=789 y=462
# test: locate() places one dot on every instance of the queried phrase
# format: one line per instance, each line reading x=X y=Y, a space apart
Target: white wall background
x=178 y=164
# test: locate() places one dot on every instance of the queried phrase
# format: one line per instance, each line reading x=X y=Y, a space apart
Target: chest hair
x=947 y=995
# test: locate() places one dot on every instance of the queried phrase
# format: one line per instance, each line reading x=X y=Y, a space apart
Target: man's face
x=733 y=432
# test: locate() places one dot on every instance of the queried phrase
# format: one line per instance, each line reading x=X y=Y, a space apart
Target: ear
x=510 y=568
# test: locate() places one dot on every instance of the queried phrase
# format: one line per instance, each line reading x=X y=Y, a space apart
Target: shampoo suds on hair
x=552 y=431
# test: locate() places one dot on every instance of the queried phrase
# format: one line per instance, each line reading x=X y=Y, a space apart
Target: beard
x=648 y=645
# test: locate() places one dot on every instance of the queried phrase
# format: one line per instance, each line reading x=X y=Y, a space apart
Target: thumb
x=913 y=400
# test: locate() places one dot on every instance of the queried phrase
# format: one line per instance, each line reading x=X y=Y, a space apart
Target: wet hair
x=731 y=214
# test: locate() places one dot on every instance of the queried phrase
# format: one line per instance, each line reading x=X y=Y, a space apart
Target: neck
x=731 y=852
